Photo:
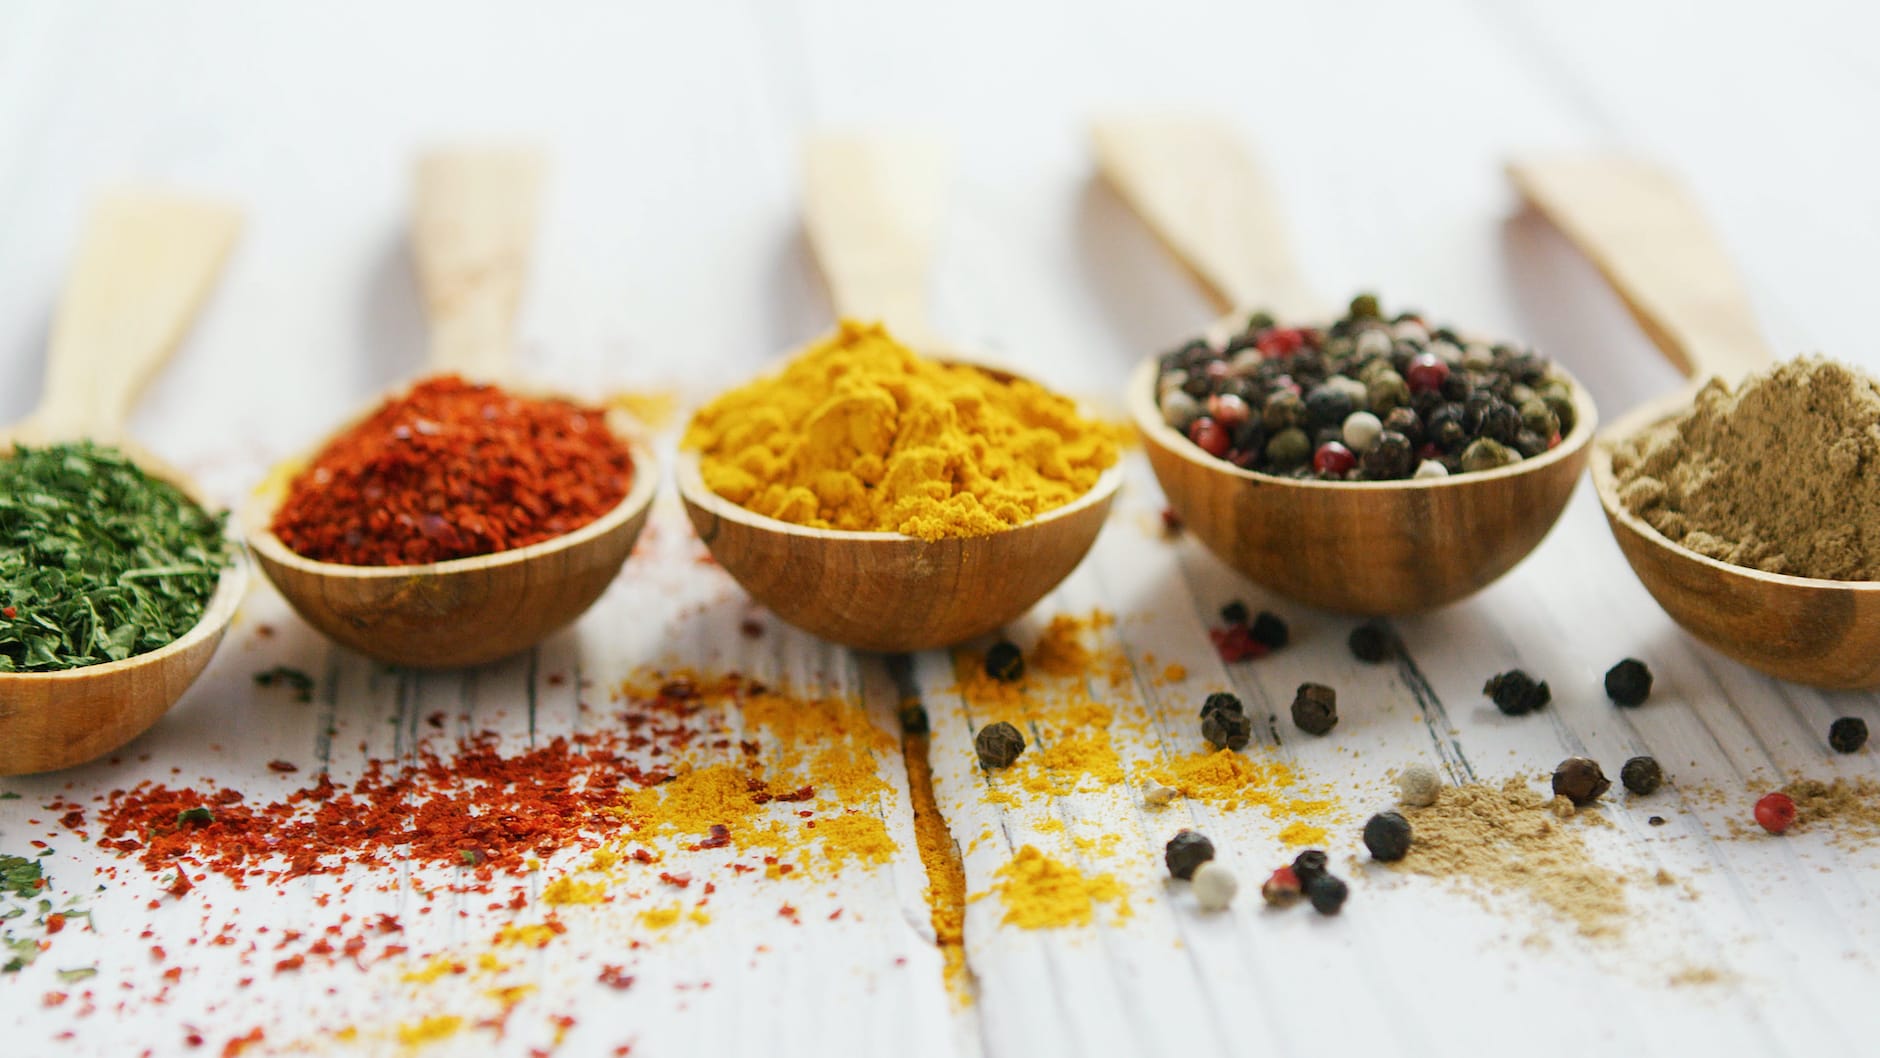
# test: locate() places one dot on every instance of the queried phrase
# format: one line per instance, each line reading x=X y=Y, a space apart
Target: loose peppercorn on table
x=681 y=827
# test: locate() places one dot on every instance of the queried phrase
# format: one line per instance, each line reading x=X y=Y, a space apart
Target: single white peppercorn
x=1179 y=409
x=1361 y=430
x=1430 y=468
x=1215 y=886
x=1418 y=785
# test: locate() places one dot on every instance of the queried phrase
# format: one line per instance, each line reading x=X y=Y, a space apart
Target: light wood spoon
x=872 y=209
x=145 y=264
x=1374 y=548
x=473 y=226
x=1651 y=243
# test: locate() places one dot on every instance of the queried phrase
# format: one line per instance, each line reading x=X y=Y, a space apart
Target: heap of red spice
x=453 y=470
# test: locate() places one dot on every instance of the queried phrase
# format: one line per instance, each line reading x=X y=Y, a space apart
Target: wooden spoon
x=474 y=223
x=872 y=209
x=1381 y=547
x=145 y=265
x=1651 y=243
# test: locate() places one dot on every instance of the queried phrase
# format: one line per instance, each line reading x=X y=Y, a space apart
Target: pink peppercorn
x=1775 y=812
x=1334 y=459
x=1209 y=436
x=1426 y=372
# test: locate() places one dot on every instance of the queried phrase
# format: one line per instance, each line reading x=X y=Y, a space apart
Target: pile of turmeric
x=860 y=433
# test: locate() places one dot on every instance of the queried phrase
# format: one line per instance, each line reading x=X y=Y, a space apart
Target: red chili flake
x=157 y=952
x=680 y=880
x=179 y=885
x=54 y=999
x=720 y=837
x=1171 y=522
x=194 y=1039
x=751 y=627
x=242 y=1042
x=1277 y=342
x=54 y=923
x=453 y=470
x=283 y=766
x=292 y=962
x=833 y=915
x=173 y=974
x=8 y=612
x=806 y=793
x=1236 y=643
x=616 y=977
x=1776 y=812
x=72 y=820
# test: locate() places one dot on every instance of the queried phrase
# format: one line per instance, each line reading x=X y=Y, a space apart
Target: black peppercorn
x=1516 y=693
x=1327 y=894
x=1221 y=702
x=1642 y=776
x=1284 y=411
x=998 y=745
x=1580 y=780
x=1004 y=662
x=1629 y=682
x=1500 y=422
x=1186 y=851
x=1657 y=821
x=913 y=717
x=1445 y=428
x=1530 y=444
x=1310 y=864
x=1315 y=708
x=1389 y=458
x=1234 y=613
x=1269 y=630
x=1406 y=422
x=1387 y=835
x=1226 y=730
x=1370 y=642
x=1327 y=406
x=1847 y=734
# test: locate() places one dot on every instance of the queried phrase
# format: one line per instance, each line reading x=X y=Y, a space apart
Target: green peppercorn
x=1004 y=662
x=1186 y=851
x=1315 y=708
x=1629 y=682
x=1642 y=776
x=1387 y=391
x=1538 y=417
x=1288 y=449
x=1259 y=321
x=1364 y=307
x=1387 y=835
x=1529 y=444
x=1562 y=406
x=1485 y=454
x=998 y=745
x=1283 y=410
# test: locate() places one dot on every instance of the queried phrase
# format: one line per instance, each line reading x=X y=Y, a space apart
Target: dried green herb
x=293 y=679
x=98 y=560
x=82 y=973
x=20 y=876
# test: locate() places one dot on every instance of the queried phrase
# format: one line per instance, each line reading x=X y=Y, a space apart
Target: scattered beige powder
x=1505 y=840
x=1782 y=475
x=1848 y=808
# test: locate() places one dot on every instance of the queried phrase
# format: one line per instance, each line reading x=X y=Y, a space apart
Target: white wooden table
x=671 y=256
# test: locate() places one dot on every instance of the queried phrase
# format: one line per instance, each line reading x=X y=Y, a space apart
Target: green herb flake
x=293 y=679
x=21 y=877
x=8 y=795
x=99 y=561
x=83 y=973
x=199 y=814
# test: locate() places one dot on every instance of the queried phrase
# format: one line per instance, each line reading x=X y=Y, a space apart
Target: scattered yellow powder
x=568 y=891
x=1175 y=673
x=661 y=917
x=1232 y=780
x=1300 y=833
x=1086 y=762
x=429 y=1030
x=435 y=967
x=535 y=935
x=946 y=873
x=1505 y=841
x=1039 y=892
x=858 y=432
x=603 y=860
x=854 y=835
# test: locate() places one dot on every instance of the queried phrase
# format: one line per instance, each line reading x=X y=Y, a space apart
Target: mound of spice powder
x=450 y=470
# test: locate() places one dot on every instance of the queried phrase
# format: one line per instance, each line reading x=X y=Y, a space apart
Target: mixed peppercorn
x=1366 y=398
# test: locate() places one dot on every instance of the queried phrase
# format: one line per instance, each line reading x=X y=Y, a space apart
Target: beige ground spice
x=1782 y=475
x=1506 y=840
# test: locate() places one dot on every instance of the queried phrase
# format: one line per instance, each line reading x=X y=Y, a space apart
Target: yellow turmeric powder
x=1039 y=892
x=860 y=433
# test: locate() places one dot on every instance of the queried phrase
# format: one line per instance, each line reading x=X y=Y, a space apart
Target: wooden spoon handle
x=1196 y=185
x=872 y=207
x=1649 y=240
x=145 y=264
x=473 y=225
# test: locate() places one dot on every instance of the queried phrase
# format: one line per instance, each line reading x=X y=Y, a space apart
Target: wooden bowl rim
x=231 y=586
x=258 y=515
x=1606 y=485
x=1156 y=431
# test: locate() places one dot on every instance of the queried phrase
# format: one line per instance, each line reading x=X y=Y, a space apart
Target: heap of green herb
x=98 y=560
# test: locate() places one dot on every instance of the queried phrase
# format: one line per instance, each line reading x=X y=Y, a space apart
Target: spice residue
x=861 y=433
x=1039 y=892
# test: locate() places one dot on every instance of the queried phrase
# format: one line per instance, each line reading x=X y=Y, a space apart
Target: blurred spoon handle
x=872 y=207
x=473 y=226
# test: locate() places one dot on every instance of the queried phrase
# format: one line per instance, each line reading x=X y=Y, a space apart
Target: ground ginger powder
x=859 y=433
x=1781 y=475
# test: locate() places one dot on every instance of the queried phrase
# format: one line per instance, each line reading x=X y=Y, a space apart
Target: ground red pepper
x=453 y=470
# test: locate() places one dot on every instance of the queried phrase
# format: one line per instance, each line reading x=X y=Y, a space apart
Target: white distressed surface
x=671 y=254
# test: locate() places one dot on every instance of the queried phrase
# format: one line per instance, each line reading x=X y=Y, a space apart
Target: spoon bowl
x=145 y=264
x=465 y=611
x=1651 y=243
x=1373 y=548
x=887 y=591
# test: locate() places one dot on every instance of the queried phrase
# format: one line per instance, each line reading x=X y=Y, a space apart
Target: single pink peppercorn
x=1209 y=436
x=1426 y=372
x=1775 y=812
x=1334 y=460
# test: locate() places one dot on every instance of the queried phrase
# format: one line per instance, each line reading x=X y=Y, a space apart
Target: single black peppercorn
x=1580 y=780
x=1642 y=776
x=1327 y=894
x=1310 y=864
x=1516 y=693
x=1221 y=702
x=998 y=744
x=1847 y=734
x=1186 y=851
x=1234 y=613
x=1387 y=835
x=1226 y=730
x=1315 y=708
x=1327 y=406
x=1004 y=662
x=1270 y=631
x=1629 y=682
x=1370 y=642
x=1657 y=821
x=913 y=718
x=1390 y=457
